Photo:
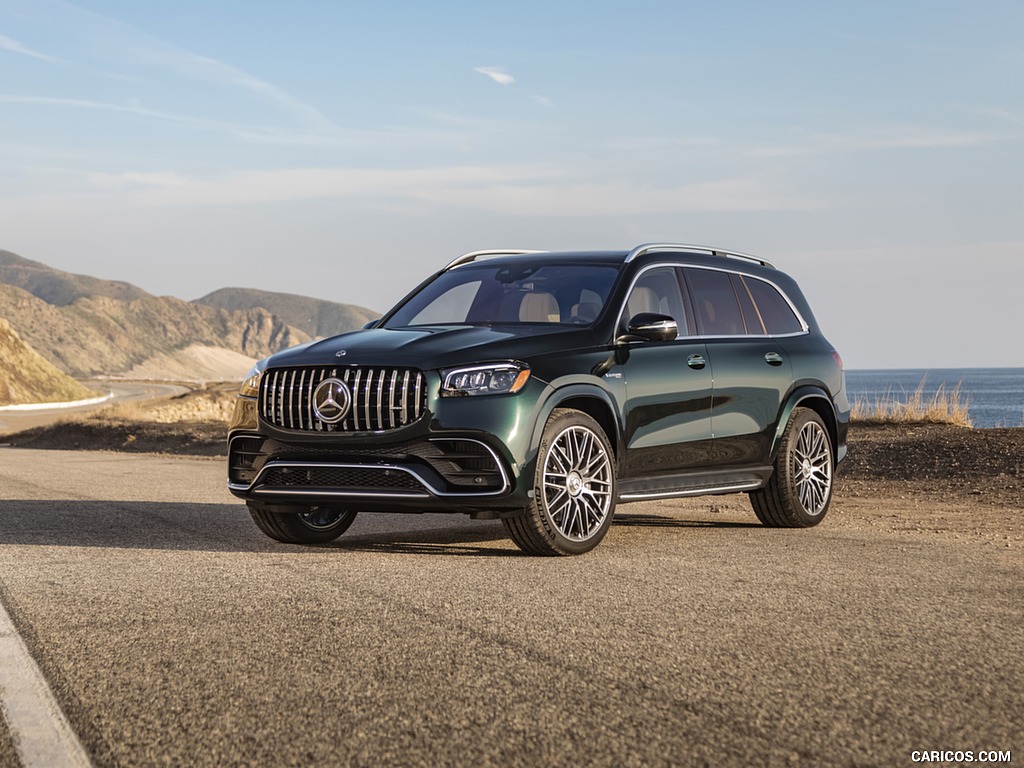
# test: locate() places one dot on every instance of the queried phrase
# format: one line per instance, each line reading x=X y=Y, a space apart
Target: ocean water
x=995 y=396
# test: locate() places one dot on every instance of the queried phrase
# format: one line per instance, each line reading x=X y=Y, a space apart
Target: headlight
x=496 y=379
x=251 y=384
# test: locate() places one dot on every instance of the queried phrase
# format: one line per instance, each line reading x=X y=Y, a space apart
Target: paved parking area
x=173 y=632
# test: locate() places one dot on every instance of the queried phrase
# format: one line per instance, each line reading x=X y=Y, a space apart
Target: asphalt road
x=173 y=633
x=123 y=392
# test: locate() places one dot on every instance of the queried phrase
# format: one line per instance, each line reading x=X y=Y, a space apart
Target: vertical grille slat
x=290 y=420
x=382 y=399
x=302 y=388
x=367 y=396
x=391 y=400
x=355 y=399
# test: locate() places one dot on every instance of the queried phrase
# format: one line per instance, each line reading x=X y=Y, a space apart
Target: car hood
x=427 y=347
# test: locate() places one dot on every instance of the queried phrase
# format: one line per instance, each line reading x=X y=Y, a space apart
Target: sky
x=872 y=150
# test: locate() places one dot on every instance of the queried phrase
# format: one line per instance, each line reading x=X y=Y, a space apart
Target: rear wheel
x=574 y=489
x=800 y=490
x=301 y=525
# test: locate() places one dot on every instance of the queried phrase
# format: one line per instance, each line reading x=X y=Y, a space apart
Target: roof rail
x=648 y=247
x=474 y=255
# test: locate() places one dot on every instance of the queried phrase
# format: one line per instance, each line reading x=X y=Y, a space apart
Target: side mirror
x=649 y=326
x=371 y=324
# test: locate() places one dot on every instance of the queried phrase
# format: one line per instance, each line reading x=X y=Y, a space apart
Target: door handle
x=696 y=362
x=773 y=358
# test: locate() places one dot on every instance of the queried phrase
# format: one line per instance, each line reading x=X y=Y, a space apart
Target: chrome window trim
x=806 y=329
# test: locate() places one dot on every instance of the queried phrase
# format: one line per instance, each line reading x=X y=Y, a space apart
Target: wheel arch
x=593 y=401
x=817 y=399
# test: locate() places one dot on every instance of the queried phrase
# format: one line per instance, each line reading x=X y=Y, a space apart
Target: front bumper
x=435 y=473
x=464 y=455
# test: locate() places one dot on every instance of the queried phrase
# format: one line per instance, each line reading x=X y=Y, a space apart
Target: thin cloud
x=56 y=101
x=538 y=190
x=12 y=45
x=500 y=76
x=1000 y=114
x=833 y=144
x=118 y=39
x=159 y=53
x=348 y=139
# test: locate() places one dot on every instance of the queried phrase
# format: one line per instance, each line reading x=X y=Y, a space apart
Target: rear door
x=751 y=370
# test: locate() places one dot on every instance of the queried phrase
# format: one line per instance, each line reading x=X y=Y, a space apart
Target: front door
x=667 y=409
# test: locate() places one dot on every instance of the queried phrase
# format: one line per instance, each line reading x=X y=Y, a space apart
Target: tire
x=800 y=489
x=574 y=489
x=301 y=525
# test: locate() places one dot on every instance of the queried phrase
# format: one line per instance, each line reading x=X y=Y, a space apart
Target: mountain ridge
x=85 y=326
x=315 y=317
x=59 y=288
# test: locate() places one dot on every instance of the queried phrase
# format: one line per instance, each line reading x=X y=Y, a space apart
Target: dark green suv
x=545 y=388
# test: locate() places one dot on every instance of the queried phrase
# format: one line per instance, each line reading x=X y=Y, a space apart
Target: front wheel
x=800 y=489
x=574 y=489
x=301 y=525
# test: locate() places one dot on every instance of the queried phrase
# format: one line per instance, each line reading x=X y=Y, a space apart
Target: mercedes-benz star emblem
x=331 y=400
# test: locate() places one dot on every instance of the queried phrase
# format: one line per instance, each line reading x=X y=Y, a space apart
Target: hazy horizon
x=343 y=152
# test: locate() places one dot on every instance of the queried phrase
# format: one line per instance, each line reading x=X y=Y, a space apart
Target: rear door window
x=715 y=303
x=751 y=318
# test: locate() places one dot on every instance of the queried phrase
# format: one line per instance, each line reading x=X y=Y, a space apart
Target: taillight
x=838 y=358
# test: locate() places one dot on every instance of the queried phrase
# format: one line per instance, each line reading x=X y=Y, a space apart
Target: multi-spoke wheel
x=301 y=525
x=574 y=494
x=799 y=492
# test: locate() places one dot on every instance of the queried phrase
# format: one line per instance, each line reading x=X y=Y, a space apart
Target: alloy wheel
x=322 y=518
x=577 y=483
x=812 y=468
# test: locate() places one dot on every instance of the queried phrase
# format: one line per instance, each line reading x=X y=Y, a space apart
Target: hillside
x=25 y=377
x=101 y=335
x=86 y=326
x=60 y=288
x=315 y=317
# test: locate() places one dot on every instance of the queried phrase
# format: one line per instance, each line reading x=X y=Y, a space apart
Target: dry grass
x=945 y=406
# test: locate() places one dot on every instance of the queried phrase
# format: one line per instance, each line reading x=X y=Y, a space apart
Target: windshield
x=507 y=294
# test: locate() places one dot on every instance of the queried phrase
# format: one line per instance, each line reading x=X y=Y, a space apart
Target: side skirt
x=695 y=484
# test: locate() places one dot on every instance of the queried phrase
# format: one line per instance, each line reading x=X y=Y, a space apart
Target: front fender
x=585 y=397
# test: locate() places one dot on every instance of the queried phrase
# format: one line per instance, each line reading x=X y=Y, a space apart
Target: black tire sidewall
x=561 y=420
x=285 y=524
x=786 y=471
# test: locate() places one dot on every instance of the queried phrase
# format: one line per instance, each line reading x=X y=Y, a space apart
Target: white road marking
x=41 y=733
x=51 y=406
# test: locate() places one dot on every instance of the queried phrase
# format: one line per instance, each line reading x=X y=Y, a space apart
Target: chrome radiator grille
x=381 y=398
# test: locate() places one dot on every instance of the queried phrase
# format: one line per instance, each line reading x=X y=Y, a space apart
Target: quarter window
x=775 y=311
